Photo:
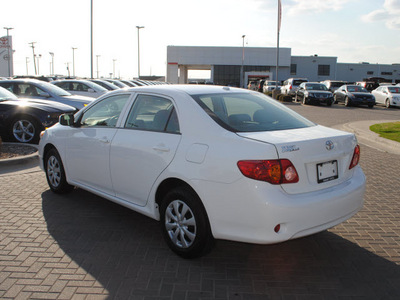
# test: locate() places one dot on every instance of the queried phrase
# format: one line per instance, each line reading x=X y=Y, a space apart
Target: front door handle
x=104 y=140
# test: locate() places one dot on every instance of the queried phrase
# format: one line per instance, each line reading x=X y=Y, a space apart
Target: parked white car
x=389 y=95
x=209 y=162
x=270 y=85
x=291 y=85
x=81 y=87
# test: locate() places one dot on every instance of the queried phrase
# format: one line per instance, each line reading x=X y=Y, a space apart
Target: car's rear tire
x=304 y=100
x=185 y=224
x=55 y=173
x=24 y=129
x=387 y=103
x=347 y=102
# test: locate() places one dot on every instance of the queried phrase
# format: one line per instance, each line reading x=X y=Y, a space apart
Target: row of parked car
x=28 y=106
x=332 y=91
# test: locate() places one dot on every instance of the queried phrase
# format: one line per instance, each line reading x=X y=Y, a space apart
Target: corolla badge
x=329 y=145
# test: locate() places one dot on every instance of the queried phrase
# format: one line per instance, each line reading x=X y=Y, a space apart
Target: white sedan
x=209 y=162
x=388 y=95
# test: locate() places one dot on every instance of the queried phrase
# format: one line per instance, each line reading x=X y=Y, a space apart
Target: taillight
x=356 y=157
x=290 y=87
x=276 y=171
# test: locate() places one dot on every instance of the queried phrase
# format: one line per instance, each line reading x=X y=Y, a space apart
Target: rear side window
x=250 y=112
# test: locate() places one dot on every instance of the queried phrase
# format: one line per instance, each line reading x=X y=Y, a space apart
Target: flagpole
x=277 y=44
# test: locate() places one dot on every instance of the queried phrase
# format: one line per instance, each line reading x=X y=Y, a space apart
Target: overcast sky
x=352 y=30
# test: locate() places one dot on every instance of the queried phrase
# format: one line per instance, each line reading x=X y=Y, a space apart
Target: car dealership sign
x=6 y=59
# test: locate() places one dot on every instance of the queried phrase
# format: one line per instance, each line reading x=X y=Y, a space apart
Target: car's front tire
x=347 y=102
x=55 y=173
x=185 y=224
x=25 y=129
x=387 y=103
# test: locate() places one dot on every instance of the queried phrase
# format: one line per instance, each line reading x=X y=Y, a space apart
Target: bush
x=285 y=98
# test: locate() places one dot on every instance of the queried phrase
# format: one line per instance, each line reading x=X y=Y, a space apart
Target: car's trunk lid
x=320 y=155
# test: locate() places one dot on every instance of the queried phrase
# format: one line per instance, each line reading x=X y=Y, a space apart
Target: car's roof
x=185 y=88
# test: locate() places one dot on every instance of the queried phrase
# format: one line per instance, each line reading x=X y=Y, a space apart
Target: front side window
x=248 y=112
x=106 y=112
x=153 y=113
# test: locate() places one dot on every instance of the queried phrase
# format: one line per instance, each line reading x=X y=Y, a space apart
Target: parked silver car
x=81 y=87
x=37 y=89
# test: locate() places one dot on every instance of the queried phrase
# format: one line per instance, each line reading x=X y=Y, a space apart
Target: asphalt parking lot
x=80 y=246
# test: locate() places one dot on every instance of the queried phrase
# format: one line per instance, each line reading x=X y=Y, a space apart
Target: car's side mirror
x=67 y=119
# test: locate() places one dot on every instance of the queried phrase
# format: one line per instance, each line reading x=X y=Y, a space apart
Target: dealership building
x=236 y=66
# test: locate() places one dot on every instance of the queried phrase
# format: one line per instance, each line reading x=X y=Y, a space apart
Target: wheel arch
x=171 y=183
x=46 y=149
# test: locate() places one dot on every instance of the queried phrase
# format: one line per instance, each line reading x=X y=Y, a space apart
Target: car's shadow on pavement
x=125 y=252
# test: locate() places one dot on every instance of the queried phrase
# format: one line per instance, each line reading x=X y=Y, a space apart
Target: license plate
x=327 y=171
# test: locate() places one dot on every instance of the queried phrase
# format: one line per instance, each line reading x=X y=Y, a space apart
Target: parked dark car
x=314 y=92
x=22 y=120
x=354 y=95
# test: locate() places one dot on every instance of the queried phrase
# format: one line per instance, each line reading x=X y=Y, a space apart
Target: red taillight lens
x=273 y=171
x=356 y=157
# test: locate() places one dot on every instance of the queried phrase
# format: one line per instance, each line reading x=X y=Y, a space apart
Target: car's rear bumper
x=249 y=210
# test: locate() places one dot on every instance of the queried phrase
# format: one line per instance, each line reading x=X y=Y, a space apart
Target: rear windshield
x=298 y=81
x=393 y=89
x=250 y=112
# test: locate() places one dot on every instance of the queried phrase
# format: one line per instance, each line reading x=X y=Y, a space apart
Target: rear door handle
x=161 y=148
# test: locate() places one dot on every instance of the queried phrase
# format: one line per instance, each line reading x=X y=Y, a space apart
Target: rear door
x=144 y=147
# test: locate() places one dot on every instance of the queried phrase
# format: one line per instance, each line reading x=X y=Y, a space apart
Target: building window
x=386 y=73
x=324 y=70
x=370 y=73
x=293 y=69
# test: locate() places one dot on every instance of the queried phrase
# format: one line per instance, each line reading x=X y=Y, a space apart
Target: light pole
x=33 y=50
x=97 y=65
x=67 y=64
x=73 y=61
x=243 y=84
x=27 y=61
x=52 y=62
x=138 y=49
x=9 y=53
x=91 y=39
x=114 y=60
x=37 y=57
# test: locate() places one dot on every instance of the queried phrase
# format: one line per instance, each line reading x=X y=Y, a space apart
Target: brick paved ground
x=80 y=246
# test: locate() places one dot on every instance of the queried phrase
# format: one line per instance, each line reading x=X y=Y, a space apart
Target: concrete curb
x=369 y=138
x=20 y=160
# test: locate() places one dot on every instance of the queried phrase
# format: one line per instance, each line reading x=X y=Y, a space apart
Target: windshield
x=336 y=84
x=393 y=89
x=54 y=89
x=6 y=95
x=356 y=89
x=250 y=112
x=316 y=87
x=271 y=83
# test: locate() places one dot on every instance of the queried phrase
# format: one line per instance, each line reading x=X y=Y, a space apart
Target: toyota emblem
x=329 y=145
